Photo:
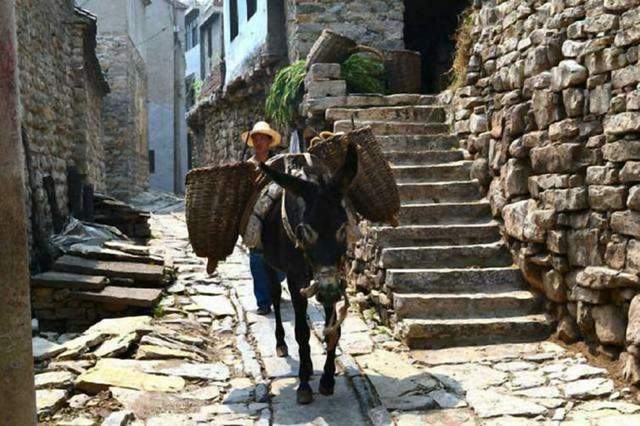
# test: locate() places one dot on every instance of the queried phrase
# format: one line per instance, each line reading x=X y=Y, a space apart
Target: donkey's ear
x=343 y=177
x=294 y=185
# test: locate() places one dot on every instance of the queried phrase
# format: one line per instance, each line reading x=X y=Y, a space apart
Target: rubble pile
x=131 y=221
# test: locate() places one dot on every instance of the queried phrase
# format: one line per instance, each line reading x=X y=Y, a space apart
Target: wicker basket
x=215 y=200
x=404 y=70
x=374 y=192
x=333 y=48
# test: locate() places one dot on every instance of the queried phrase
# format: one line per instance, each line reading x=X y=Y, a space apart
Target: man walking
x=262 y=138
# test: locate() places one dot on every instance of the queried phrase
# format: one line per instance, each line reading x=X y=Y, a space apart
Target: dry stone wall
x=374 y=23
x=551 y=113
x=60 y=94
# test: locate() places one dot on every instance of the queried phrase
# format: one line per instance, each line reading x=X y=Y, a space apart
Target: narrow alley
x=206 y=358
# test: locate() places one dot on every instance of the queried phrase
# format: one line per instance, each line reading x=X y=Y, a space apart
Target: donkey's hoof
x=282 y=351
x=304 y=394
x=325 y=390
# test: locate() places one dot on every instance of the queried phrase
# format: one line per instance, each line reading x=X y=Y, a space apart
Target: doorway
x=429 y=29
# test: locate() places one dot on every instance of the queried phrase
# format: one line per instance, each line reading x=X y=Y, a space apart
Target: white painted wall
x=252 y=35
x=193 y=62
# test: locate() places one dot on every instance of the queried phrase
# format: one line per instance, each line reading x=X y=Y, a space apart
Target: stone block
x=587 y=296
x=616 y=252
x=554 y=286
x=601 y=175
x=602 y=278
x=557 y=241
x=605 y=60
x=626 y=222
x=561 y=200
x=319 y=72
x=634 y=198
x=606 y=198
x=573 y=100
x=610 y=324
x=564 y=130
x=600 y=99
x=321 y=89
x=633 y=256
x=515 y=174
x=582 y=247
x=546 y=108
x=622 y=150
x=568 y=73
x=620 y=5
x=557 y=158
x=630 y=172
x=600 y=23
x=627 y=76
x=633 y=323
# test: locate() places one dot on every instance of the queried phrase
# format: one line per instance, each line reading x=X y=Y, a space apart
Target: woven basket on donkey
x=333 y=48
x=374 y=192
x=215 y=200
x=404 y=70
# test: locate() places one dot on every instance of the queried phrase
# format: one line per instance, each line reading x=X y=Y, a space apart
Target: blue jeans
x=263 y=277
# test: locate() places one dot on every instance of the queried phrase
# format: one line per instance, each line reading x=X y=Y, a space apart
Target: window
x=233 y=5
x=191 y=30
x=152 y=161
x=252 y=5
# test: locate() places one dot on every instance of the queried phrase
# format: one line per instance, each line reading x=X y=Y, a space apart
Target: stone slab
x=490 y=403
x=117 y=345
x=101 y=378
x=342 y=408
x=99 y=253
x=54 y=279
x=44 y=349
x=135 y=271
x=113 y=326
x=129 y=296
x=49 y=400
x=219 y=306
x=53 y=379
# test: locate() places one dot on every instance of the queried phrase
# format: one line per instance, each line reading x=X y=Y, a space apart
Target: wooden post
x=17 y=397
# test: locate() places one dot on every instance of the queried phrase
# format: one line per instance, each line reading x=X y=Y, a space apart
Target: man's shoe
x=264 y=311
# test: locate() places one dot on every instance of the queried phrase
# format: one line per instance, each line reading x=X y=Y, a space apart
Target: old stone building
x=146 y=130
x=62 y=86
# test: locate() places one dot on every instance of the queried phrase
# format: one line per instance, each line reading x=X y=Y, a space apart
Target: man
x=262 y=138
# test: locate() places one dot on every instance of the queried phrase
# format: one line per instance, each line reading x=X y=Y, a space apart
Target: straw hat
x=264 y=128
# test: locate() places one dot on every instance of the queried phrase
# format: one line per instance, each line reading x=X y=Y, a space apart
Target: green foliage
x=364 y=74
x=197 y=88
x=285 y=94
x=158 y=311
x=464 y=42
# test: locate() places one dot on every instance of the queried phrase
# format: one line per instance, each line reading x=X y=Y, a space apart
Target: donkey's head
x=321 y=228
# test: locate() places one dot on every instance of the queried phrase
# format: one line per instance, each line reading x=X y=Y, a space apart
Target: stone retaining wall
x=551 y=113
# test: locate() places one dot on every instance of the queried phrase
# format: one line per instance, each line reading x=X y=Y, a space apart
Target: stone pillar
x=17 y=399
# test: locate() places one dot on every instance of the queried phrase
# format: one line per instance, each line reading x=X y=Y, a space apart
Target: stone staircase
x=452 y=278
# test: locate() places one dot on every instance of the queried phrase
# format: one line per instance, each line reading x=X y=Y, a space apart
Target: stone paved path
x=208 y=359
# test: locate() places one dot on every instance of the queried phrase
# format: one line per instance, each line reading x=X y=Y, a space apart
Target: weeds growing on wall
x=285 y=94
x=464 y=43
x=364 y=74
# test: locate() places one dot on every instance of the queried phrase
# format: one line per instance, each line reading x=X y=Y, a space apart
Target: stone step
x=432 y=334
x=422 y=158
x=439 y=192
x=465 y=256
x=319 y=105
x=445 y=213
x=60 y=280
x=444 y=141
x=434 y=235
x=129 y=270
x=393 y=127
x=140 y=297
x=421 y=113
x=485 y=280
x=456 y=171
x=466 y=305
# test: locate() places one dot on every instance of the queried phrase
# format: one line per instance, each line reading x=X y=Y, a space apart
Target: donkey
x=305 y=236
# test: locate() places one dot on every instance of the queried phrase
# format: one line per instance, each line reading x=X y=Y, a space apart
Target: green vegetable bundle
x=364 y=74
x=285 y=94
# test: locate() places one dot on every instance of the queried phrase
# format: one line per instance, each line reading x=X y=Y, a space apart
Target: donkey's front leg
x=328 y=381
x=275 y=289
x=304 y=393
